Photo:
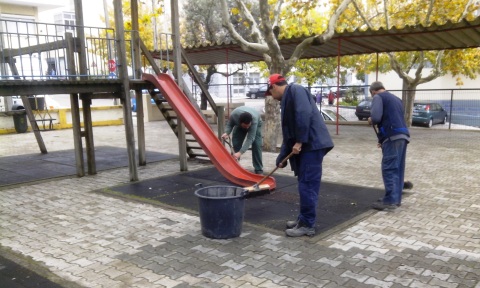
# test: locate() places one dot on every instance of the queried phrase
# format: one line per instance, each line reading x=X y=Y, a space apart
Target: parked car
x=428 y=114
x=329 y=115
x=362 y=111
x=255 y=93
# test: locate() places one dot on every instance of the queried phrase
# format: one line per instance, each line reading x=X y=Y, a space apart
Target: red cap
x=273 y=79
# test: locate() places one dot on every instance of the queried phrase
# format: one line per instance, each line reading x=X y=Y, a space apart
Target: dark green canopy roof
x=463 y=34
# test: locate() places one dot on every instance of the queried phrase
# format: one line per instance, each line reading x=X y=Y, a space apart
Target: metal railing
x=34 y=51
x=462 y=105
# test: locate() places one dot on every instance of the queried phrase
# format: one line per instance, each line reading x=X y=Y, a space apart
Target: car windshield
x=420 y=106
x=365 y=103
x=333 y=115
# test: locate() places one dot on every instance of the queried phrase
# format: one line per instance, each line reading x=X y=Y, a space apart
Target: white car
x=329 y=115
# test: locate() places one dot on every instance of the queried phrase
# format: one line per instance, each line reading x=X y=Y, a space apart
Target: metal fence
x=34 y=51
x=462 y=105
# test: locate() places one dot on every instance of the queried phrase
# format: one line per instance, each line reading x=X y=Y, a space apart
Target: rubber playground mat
x=13 y=275
x=338 y=203
x=33 y=167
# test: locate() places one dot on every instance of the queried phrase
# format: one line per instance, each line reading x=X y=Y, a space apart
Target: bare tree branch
x=385 y=11
x=465 y=12
x=247 y=46
x=436 y=71
x=328 y=34
x=413 y=61
x=256 y=35
x=276 y=12
x=270 y=38
x=396 y=67
x=230 y=74
x=362 y=15
x=429 y=13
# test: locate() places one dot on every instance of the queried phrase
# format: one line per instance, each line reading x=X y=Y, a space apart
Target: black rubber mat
x=338 y=203
x=13 y=275
x=33 y=167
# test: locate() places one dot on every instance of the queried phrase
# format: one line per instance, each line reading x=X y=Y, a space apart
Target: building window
x=253 y=78
x=69 y=21
x=69 y=25
x=65 y=22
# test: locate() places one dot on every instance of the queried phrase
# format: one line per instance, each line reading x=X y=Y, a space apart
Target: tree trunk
x=271 y=126
x=408 y=97
x=203 y=98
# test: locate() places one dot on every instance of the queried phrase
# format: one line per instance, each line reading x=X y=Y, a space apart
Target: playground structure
x=77 y=68
x=74 y=75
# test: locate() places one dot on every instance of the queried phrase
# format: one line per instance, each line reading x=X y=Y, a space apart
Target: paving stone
x=97 y=240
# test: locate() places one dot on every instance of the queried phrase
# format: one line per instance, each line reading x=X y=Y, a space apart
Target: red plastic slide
x=218 y=154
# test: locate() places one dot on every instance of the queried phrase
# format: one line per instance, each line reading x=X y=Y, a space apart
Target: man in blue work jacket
x=387 y=114
x=306 y=136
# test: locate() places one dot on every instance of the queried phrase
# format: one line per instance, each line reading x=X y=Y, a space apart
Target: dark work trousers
x=238 y=137
x=309 y=178
x=393 y=169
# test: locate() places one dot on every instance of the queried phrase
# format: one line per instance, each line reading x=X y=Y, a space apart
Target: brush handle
x=273 y=171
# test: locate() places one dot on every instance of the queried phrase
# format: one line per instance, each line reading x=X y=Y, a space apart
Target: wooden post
x=28 y=110
x=86 y=101
x=75 y=107
x=123 y=74
x=138 y=93
x=182 y=142
x=220 y=120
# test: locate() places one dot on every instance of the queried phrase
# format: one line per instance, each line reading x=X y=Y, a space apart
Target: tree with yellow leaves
x=282 y=18
x=410 y=65
x=146 y=16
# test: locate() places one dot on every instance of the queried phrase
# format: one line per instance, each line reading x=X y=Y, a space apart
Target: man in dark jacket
x=306 y=135
x=387 y=114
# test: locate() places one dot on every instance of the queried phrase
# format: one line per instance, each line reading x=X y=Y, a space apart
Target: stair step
x=196 y=148
x=194 y=155
x=171 y=116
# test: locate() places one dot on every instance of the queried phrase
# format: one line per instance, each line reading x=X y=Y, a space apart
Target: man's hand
x=297 y=148
x=369 y=120
x=237 y=156
x=225 y=136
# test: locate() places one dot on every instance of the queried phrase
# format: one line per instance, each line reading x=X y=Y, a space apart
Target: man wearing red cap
x=306 y=135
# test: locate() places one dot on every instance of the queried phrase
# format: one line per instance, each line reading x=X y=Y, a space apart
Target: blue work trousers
x=393 y=169
x=309 y=178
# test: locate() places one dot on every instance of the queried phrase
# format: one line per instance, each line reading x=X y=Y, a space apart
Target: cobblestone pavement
x=93 y=240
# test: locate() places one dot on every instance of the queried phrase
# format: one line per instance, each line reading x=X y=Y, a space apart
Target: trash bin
x=221 y=211
x=20 y=118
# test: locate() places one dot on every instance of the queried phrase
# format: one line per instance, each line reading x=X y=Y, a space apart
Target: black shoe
x=384 y=207
x=259 y=172
x=407 y=185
